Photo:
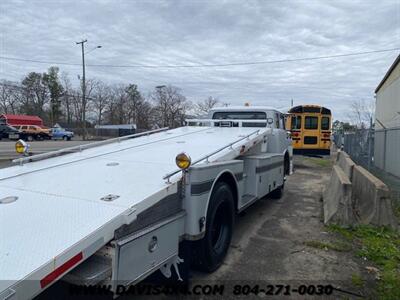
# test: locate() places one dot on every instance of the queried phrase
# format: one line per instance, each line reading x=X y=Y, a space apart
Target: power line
x=203 y=65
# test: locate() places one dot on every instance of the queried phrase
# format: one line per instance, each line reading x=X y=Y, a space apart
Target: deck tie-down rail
x=79 y=148
x=206 y=157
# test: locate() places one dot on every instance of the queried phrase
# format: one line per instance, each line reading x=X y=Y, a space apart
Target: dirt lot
x=284 y=242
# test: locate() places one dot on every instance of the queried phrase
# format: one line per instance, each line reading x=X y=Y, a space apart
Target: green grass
x=325 y=163
x=397 y=209
x=381 y=246
x=336 y=246
x=357 y=280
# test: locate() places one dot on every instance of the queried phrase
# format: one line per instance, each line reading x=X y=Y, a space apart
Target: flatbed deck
x=61 y=212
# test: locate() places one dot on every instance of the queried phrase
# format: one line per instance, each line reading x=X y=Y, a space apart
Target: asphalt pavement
x=7 y=148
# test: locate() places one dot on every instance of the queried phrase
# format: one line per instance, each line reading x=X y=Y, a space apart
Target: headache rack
x=229 y=122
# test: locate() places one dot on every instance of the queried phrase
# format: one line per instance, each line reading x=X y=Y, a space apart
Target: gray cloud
x=207 y=32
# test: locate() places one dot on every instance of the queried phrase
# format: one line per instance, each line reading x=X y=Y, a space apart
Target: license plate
x=13 y=136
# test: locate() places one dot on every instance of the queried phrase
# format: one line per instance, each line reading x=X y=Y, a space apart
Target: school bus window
x=325 y=123
x=311 y=123
x=296 y=122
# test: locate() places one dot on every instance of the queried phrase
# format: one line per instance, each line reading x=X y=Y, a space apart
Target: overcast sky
x=211 y=32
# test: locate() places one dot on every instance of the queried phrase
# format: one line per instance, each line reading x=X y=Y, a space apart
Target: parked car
x=33 y=132
x=7 y=130
x=59 y=133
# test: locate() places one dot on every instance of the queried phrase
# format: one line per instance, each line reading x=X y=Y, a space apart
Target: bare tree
x=362 y=112
x=75 y=97
x=139 y=109
x=204 y=106
x=101 y=98
x=170 y=106
x=127 y=105
x=10 y=96
x=145 y=115
x=81 y=106
x=5 y=95
x=54 y=98
x=116 y=110
x=67 y=98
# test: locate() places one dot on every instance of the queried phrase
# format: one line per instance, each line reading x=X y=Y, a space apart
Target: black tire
x=287 y=164
x=30 y=138
x=277 y=193
x=65 y=138
x=210 y=251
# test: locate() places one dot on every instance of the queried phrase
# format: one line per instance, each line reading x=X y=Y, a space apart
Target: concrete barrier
x=345 y=163
x=371 y=199
x=355 y=196
x=337 y=199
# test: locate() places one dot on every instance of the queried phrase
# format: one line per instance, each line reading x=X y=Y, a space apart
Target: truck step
x=94 y=270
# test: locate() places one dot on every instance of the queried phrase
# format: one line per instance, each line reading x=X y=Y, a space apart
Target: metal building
x=387 y=121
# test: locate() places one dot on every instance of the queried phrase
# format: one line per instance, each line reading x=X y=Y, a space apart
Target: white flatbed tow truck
x=116 y=211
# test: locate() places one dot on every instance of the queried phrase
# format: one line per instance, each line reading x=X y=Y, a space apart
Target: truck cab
x=59 y=133
x=263 y=116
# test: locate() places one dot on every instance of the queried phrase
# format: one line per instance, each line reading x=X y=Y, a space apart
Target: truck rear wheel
x=211 y=250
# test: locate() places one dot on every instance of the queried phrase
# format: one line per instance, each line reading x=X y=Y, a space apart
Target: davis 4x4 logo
x=147 y=289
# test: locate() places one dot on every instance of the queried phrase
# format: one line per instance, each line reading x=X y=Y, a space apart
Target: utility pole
x=82 y=43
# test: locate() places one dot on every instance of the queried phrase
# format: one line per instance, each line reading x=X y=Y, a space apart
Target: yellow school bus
x=310 y=127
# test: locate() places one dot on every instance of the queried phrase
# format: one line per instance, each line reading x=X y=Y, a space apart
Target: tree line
x=51 y=96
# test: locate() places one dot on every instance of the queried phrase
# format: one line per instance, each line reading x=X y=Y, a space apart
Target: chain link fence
x=387 y=152
x=378 y=151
